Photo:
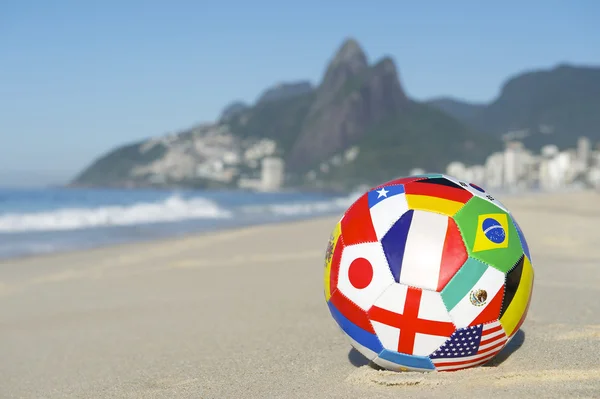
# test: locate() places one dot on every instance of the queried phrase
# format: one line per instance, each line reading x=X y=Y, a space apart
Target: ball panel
x=454 y=254
x=474 y=295
x=433 y=204
x=424 y=249
x=476 y=187
x=519 y=285
x=363 y=350
x=440 y=182
x=436 y=195
x=470 y=347
x=381 y=314
x=433 y=308
x=392 y=360
x=366 y=342
x=332 y=261
x=387 y=334
x=387 y=205
x=491 y=309
x=351 y=311
x=478 y=192
x=356 y=224
x=523 y=316
x=360 y=273
x=513 y=279
x=401 y=180
x=522 y=238
x=492 y=232
x=350 y=279
x=429 y=175
x=422 y=246
x=410 y=320
x=498 y=246
x=394 y=243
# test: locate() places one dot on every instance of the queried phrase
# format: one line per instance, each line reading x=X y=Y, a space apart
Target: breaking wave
x=298 y=209
x=171 y=209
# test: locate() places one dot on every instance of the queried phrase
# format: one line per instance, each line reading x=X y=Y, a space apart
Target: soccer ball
x=428 y=273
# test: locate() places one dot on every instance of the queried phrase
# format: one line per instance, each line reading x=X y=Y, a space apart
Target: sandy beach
x=241 y=314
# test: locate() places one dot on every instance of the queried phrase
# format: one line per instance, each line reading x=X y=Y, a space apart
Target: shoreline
x=165 y=239
x=204 y=230
x=75 y=221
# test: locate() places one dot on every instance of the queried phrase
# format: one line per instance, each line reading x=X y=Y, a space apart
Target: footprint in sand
x=478 y=376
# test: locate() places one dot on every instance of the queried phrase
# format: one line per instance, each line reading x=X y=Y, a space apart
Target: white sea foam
x=298 y=209
x=172 y=209
x=302 y=208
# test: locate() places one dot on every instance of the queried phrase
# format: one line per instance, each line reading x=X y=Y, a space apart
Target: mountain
x=361 y=105
x=279 y=92
x=461 y=110
x=356 y=126
x=352 y=97
x=232 y=109
x=539 y=107
x=117 y=168
x=284 y=90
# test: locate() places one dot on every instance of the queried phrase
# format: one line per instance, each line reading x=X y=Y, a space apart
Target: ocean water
x=37 y=221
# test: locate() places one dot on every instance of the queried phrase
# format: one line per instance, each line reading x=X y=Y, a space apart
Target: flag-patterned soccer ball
x=428 y=273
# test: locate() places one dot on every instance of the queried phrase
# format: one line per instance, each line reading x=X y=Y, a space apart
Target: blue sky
x=78 y=78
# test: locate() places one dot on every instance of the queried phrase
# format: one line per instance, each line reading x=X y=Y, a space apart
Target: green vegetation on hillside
x=417 y=137
x=277 y=120
x=555 y=106
x=112 y=167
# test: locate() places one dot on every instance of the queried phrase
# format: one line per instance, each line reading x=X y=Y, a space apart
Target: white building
x=272 y=173
x=517 y=168
x=472 y=174
x=509 y=167
x=593 y=177
x=351 y=154
x=477 y=175
x=231 y=158
x=456 y=169
x=557 y=171
x=549 y=151
x=271 y=178
x=262 y=148
x=494 y=170
x=584 y=152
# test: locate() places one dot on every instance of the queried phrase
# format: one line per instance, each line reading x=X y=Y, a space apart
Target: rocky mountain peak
x=233 y=109
x=385 y=74
x=351 y=54
x=352 y=97
x=285 y=90
x=387 y=66
x=348 y=62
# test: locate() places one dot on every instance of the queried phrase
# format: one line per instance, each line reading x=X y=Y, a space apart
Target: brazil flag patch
x=489 y=234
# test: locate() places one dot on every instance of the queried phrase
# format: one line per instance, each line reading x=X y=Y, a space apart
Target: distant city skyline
x=81 y=78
